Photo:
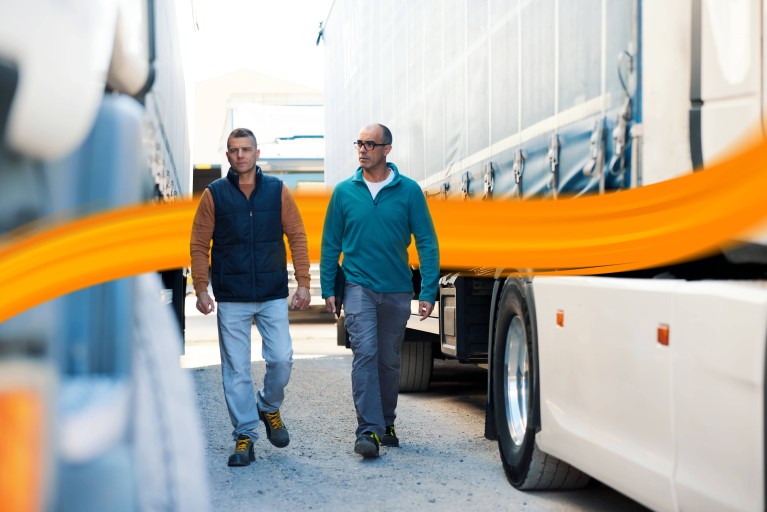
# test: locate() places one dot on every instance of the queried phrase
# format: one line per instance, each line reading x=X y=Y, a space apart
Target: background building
x=287 y=119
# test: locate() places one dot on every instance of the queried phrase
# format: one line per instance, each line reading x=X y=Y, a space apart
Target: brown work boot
x=243 y=452
x=276 y=431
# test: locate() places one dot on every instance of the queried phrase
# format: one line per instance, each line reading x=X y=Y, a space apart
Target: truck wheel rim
x=517 y=381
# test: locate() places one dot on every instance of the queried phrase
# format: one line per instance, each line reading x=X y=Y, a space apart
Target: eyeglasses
x=369 y=144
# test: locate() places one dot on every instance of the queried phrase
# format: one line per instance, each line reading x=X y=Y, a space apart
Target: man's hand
x=301 y=298
x=425 y=309
x=205 y=304
x=330 y=305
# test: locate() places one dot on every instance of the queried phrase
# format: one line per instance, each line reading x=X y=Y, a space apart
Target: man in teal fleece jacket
x=370 y=220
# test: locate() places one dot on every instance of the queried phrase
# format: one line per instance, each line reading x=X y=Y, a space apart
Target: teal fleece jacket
x=374 y=235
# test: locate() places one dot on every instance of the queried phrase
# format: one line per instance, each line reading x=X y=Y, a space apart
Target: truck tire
x=416 y=365
x=515 y=398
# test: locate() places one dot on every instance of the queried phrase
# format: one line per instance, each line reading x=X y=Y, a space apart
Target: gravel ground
x=444 y=462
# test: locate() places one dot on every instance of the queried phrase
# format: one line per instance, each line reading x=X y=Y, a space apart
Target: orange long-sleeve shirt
x=205 y=222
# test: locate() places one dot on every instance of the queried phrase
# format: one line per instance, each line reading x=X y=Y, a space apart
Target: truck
x=93 y=117
x=651 y=381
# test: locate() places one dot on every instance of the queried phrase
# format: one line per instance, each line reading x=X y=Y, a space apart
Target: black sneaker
x=367 y=445
x=243 y=452
x=276 y=431
x=390 y=437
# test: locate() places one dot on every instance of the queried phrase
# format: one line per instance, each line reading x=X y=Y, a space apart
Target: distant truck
x=513 y=100
x=93 y=117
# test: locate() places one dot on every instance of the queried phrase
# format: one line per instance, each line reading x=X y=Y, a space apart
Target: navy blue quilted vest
x=248 y=258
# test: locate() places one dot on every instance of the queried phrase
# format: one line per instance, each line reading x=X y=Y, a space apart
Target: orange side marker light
x=663 y=334
x=20 y=418
x=560 y=318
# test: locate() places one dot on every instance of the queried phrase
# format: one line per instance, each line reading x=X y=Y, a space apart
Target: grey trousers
x=376 y=326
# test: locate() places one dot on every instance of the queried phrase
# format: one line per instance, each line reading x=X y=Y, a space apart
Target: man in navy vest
x=246 y=214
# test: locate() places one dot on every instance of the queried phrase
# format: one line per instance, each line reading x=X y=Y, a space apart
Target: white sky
x=274 y=37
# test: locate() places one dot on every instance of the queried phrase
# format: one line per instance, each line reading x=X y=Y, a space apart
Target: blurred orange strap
x=658 y=224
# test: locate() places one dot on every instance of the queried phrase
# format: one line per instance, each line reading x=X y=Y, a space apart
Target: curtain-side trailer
x=651 y=381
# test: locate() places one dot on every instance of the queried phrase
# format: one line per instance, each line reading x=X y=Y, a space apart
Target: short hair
x=386 y=134
x=238 y=133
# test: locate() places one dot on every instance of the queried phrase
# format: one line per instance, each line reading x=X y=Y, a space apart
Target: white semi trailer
x=651 y=381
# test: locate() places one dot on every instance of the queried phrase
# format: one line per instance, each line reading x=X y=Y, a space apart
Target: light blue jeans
x=376 y=326
x=234 y=324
